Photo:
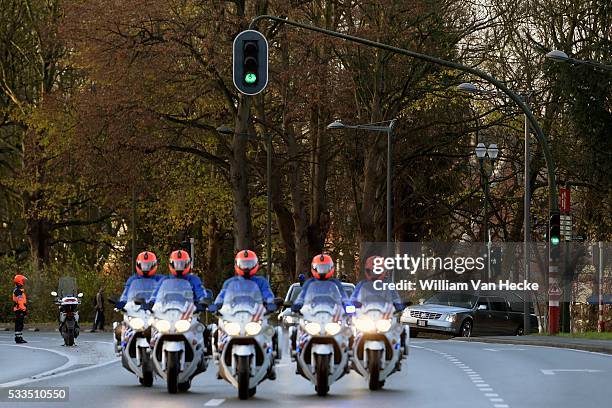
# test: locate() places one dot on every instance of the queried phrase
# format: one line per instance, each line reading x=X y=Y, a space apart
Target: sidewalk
x=600 y=346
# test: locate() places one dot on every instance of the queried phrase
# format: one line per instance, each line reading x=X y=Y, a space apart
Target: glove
x=148 y=306
x=270 y=307
x=399 y=306
x=200 y=307
x=214 y=307
x=121 y=304
x=296 y=307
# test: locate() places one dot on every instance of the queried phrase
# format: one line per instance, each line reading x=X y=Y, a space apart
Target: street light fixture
x=387 y=127
x=481 y=151
x=560 y=56
x=471 y=88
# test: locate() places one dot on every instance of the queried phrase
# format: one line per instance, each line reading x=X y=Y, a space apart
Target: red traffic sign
x=564 y=200
x=554 y=289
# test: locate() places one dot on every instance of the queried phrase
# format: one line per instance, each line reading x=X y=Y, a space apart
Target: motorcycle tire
x=322 y=374
x=243 y=371
x=147 y=369
x=172 y=371
x=374 y=369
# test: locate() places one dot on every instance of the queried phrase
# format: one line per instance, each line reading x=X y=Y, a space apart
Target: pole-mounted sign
x=250 y=65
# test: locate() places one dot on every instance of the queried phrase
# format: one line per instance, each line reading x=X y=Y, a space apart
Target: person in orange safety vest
x=20 y=308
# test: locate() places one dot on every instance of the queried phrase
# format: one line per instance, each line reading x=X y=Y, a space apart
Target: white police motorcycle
x=380 y=340
x=247 y=345
x=68 y=301
x=136 y=332
x=177 y=339
x=322 y=338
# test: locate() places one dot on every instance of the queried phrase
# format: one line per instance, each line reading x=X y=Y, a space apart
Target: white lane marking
x=71 y=361
x=496 y=399
x=482 y=385
x=62 y=374
x=96 y=341
x=477 y=381
x=500 y=405
x=491 y=395
x=214 y=402
x=568 y=370
x=486 y=389
x=504 y=349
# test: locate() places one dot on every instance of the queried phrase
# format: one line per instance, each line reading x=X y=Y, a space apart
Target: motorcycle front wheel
x=172 y=371
x=243 y=371
x=147 y=369
x=322 y=374
x=374 y=369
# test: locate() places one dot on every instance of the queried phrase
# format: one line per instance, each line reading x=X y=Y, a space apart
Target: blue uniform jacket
x=196 y=286
x=300 y=300
x=123 y=298
x=264 y=287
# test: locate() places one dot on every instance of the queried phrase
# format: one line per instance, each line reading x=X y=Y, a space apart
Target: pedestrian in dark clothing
x=99 y=310
x=20 y=307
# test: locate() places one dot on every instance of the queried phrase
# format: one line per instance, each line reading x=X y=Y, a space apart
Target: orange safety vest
x=20 y=299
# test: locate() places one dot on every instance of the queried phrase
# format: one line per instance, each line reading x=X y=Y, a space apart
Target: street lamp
x=224 y=130
x=387 y=127
x=490 y=154
x=471 y=88
x=560 y=56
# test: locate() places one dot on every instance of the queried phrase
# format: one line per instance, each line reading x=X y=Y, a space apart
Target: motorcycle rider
x=322 y=269
x=20 y=307
x=246 y=265
x=370 y=278
x=179 y=265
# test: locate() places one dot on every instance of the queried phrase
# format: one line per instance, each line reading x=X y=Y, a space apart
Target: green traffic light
x=555 y=240
x=250 y=78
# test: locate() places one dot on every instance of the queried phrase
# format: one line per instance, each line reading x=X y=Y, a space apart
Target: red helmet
x=146 y=264
x=322 y=267
x=369 y=265
x=180 y=263
x=246 y=263
x=20 y=279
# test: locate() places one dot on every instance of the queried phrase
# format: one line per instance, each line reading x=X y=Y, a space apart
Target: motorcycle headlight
x=137 y=323
x=364 y=324
x=232 y=328
x=291 y=320
x=451 y=317
x=252 y=328
x=163 y=326
x=332 y=328
x=312 y=328
x=383 y=325
x=182 y=326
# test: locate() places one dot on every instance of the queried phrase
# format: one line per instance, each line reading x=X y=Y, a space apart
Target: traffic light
x=250 y=65
x=555 y=229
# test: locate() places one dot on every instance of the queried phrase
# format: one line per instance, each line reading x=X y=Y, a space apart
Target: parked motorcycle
x=178 y=347
x=247 y=345
x=68 y=301
x=379 y=343
x=322 y=337
x=136 y=332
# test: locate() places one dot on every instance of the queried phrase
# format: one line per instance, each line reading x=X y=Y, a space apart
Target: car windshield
x=241 y=295
x=452 y=299
x=141 y=289
x=174 y=294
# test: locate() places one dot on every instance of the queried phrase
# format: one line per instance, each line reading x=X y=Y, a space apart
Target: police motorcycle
x=322 y=337
x=379 y=339
x=136 y=332
x=68 y=300
x=177 y=337
x=247 y=345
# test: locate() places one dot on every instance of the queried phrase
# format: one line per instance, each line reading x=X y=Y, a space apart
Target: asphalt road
x=438 y=373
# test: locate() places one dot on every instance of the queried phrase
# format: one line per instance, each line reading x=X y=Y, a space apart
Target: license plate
x=422 y=323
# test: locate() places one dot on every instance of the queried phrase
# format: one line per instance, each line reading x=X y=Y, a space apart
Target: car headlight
x=232 y=328
x=163 y=326
x=312 y=328
x=364 y=324
x=383 y=325
x=252 y=328
x=332 y=328
x=451 y=317
x=182 y=326
x=136 y=323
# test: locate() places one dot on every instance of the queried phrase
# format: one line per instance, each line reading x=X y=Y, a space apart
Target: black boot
x=19 y=340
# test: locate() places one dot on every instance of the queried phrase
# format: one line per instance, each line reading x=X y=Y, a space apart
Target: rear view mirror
x=54 y=293
x=278 y=301
x=112 y=299
x=140 y=301
x=288 y=303
x=406 y=304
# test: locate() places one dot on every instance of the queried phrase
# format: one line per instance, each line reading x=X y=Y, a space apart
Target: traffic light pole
x=550 y=164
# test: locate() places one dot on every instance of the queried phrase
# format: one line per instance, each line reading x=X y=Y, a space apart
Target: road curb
x=525 y=342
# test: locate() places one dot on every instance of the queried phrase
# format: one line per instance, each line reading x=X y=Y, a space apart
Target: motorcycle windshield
x=174 y=294
x=371 y=298
x=322 y=297
x=241 y=295
x=141 y=289
x=67 y=287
